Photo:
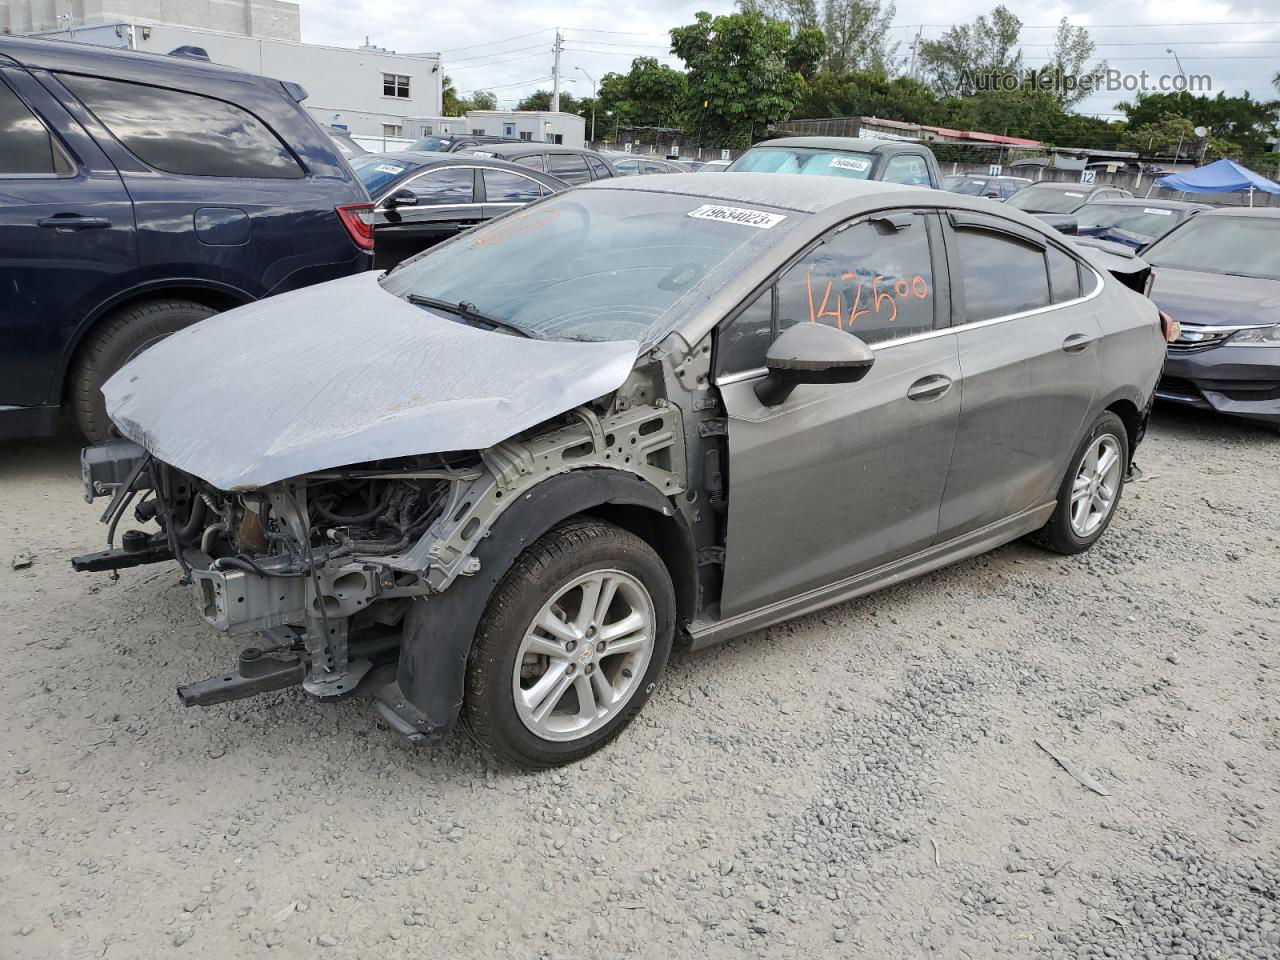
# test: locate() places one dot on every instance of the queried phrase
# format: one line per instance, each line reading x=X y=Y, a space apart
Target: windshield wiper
x=469 y=311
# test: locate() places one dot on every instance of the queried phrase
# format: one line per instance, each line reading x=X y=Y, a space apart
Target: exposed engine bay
x=325 y=566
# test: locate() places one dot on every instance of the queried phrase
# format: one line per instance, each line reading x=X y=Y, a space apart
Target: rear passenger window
x=1064 y=276
x=598 y=169
x=28 y=149
x=874 y=279
x=533 y=161
x=444 y=187
x=185 y=133
x=908 y=169
x=1000 y=275
x=569 y=167
x=503 y=187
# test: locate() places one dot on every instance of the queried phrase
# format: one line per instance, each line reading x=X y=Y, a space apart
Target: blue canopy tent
x=1221 y=176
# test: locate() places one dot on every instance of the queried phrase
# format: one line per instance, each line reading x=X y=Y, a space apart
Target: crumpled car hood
x=341 y=373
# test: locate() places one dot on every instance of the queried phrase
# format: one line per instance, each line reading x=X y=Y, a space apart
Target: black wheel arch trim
x=439 y=630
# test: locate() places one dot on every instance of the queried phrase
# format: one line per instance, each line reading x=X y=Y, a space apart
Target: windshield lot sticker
x=1163 y=213
x=1068 y=193
x=850 y=163
x=749 y=218
x=389 y=168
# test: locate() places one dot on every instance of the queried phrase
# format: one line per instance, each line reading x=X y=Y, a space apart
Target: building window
x=395 y=85
x=508 y=129
x=478 y=131
x=426 y=131
x=526 y=134
x=391 y=129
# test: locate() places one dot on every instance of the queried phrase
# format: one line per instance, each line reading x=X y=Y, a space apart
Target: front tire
x=1091 y=489
x=572 y=644
x=124 y=336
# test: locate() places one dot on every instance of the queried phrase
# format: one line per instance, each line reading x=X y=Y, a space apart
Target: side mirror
x=403 y=197
x=812 y=353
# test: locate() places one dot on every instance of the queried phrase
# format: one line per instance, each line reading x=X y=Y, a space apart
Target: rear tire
x=504 y=708
x=1091 y=489
x=121 y=338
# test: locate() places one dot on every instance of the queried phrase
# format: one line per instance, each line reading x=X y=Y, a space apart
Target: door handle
x=1076 y=342
x=929 y=388
x=71 y=222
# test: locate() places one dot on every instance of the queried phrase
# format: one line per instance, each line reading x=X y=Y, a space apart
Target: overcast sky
x=505 y=45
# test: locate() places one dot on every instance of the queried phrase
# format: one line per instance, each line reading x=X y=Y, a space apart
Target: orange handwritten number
x=881 y=297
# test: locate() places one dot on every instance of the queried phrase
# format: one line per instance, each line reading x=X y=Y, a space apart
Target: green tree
x=1246 y=122
x=744 y=72
x=856 y=31
x=969 y=57
x=481 y=100
x=872 y=93
x=1174 y=135
x=450 y=105
x=541 y=100
x=650 y=94
x=1068 y=72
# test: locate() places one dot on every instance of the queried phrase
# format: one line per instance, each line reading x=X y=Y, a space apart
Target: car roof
x=801 y=194
x=1154 y=202
x=422 y=159
x=534 y=146
x=1262 y=213
x=71 y=55
x=862 y=144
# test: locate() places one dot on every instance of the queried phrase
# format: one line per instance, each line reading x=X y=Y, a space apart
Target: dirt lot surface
x=864 y=782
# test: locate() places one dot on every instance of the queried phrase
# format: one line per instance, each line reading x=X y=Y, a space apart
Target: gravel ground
x=864 y=782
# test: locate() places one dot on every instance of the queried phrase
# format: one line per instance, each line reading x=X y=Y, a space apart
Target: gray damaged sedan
x=504 y=480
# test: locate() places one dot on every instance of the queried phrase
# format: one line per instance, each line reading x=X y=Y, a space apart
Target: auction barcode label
x=749 y=218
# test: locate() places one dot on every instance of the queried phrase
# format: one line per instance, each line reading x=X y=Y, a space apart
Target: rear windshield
x=1046 y=199
x=965 y=185
x=810 y=160
x=1144 y=222
x=596 y=264
x=1238 y=246
x=377 y=170
x=431 y=144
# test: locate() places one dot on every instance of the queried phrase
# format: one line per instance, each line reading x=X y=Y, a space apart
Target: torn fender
x=439 y=630
x=340 y=373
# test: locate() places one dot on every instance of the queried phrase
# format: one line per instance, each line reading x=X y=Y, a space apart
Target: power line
x=494 y=43
x=499 y=53
x=473 y=66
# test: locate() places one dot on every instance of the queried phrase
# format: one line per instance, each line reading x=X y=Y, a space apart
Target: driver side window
x=874 y=279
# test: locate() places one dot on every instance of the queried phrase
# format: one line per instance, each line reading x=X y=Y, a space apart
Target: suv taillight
x=1170 y=329
x=358 y=219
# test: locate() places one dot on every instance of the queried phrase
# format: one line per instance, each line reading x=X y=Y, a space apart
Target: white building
x=546 y=127
x=387 y=100
x=371 y=91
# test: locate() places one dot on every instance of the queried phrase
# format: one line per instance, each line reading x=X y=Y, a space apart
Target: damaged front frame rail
x=305 y=618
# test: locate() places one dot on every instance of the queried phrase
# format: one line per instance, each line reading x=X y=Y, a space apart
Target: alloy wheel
x=1096 y=486
x=584 y=655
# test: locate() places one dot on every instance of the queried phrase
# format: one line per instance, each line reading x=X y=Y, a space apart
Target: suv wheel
x=1091 y=489
x=573 y=642
x=120 y=339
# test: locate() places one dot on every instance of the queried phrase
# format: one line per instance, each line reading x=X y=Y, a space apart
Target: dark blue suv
x=140 y=194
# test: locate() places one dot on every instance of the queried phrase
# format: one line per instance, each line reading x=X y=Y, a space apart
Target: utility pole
x=594 y=91
x=555 y=74
x=915 y=50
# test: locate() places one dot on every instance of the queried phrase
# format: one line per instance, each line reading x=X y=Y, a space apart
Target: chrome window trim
x=379 y=208
x=932 y=334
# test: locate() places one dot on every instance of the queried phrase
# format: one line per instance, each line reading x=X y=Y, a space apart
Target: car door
x=1029 y=358
x=445 y=205
x=505 y=190
x=219 y=195
x=66 y=236
x=840 y=478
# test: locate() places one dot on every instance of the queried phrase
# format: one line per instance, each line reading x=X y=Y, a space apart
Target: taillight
x=358 y=219
x=1170 y=328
